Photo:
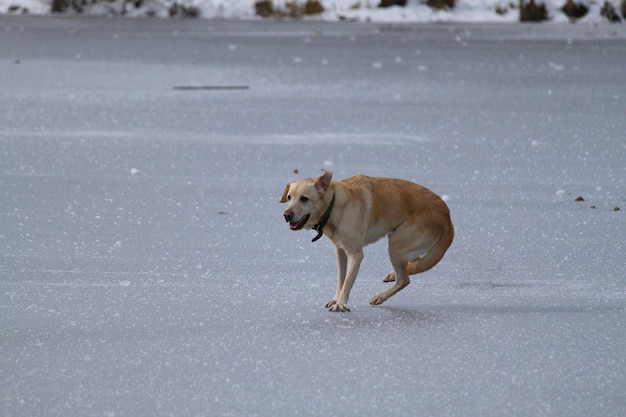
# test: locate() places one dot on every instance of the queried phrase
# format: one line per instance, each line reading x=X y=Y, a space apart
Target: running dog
x=360 y=210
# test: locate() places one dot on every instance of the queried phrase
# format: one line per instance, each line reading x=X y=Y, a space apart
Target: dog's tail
x=435 y=254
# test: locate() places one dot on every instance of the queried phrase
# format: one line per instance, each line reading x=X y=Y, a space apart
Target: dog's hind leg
x=431 y=258
x=399 y=261
x=411 y=268
x=434 y=255
x=401 y=280
x=390 y=277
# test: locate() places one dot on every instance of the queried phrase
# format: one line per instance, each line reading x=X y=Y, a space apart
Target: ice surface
x=146 y=270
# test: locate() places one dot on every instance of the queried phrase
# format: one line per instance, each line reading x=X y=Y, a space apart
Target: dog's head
x=306 y=201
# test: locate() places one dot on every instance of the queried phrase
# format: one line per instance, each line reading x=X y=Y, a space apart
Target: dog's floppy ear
x=323 y=182
x=284 y=197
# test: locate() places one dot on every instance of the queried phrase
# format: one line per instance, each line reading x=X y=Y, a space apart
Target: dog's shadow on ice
x=381 y=317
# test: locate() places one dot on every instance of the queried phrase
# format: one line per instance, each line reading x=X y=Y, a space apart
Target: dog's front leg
x=342 y=262
x=343 y=288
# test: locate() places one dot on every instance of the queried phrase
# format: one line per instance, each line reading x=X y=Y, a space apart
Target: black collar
x=319 y=228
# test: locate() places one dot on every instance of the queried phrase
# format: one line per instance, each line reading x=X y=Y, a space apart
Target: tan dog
x=360 y=210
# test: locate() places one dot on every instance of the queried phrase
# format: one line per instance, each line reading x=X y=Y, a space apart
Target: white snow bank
x=353 y=10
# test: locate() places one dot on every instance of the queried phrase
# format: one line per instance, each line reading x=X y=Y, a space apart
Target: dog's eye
x=289 y=198
x=304 y=199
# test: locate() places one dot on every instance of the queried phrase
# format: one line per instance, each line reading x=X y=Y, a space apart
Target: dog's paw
x=330 y=303
x=338 y=308
x=377 y=299
x=391 y=277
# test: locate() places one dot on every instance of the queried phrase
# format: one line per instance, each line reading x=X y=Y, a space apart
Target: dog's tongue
x=299 y=224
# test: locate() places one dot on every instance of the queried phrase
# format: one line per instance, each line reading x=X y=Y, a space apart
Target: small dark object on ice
x=579 y=198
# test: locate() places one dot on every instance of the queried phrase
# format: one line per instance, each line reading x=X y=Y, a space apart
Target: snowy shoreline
x=465 y=11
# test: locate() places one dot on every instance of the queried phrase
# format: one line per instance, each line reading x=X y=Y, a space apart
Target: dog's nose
x=288 y=215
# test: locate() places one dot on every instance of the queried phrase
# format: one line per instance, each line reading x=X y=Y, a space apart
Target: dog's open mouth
x=299 y=224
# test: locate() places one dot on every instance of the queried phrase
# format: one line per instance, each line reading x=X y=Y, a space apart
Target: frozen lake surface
x=146 y=270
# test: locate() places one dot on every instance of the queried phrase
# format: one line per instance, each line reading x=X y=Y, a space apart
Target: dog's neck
x=319 y=227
